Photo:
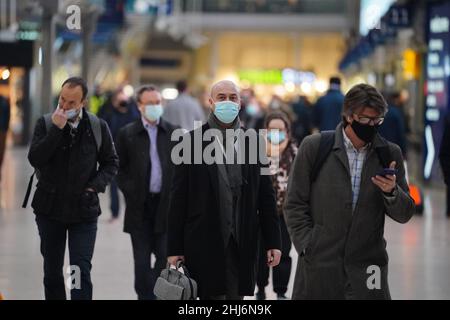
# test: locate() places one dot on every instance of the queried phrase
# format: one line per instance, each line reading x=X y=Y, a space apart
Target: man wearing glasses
x=335 y=214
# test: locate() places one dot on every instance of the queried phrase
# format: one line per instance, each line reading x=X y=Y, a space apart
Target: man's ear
x=211 y=103
x=139 y=107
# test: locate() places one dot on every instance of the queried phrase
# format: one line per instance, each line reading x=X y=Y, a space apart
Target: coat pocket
x=314 y=239
x=43 y=200
x=89 y=205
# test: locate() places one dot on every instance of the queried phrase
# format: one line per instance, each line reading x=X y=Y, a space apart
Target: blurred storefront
x=106 y=68
x=390 y=54
x=25 y=54
x=437 y=77
x=15 y=63
x=285 y=64
x=280 y=47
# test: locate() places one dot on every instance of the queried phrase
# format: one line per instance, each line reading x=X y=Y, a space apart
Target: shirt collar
x=77 y=120
x=148 y=125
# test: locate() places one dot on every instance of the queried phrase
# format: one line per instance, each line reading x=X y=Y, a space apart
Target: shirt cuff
x=390 y=197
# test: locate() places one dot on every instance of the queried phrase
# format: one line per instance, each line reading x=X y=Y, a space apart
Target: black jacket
x=194 y=222
x=133 y=145
x=444 y=155
x=67 y=167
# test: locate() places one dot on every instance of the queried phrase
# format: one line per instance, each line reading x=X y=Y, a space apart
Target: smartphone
x=387 y=172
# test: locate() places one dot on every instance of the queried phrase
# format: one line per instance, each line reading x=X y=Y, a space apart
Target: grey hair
x=363 y=96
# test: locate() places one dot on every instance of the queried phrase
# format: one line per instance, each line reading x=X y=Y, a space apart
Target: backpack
x=96 y=130
x=326 y=145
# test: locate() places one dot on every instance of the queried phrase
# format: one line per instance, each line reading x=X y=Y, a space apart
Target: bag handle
x=181 y=265
x=27 y=195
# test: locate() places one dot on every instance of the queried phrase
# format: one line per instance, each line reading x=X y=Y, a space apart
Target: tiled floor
x=419 y=251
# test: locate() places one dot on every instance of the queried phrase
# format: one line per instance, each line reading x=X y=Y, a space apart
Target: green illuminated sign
x=261 y=76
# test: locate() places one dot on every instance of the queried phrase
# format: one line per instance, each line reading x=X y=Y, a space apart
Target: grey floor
x=419 y=251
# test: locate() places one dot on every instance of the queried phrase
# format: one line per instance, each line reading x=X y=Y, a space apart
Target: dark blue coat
x=117 y=120
x=393 y=128
x=327 y=112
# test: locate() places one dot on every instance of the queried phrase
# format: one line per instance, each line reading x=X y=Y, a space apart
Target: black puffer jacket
x=67 y=163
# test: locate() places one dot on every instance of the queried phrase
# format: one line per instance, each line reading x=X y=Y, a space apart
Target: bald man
x=218 y=209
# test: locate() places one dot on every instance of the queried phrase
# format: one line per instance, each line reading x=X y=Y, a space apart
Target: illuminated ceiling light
x=231 y=77
x=169 y=93
x=372 y=79
x=321 y=86
x=141 y=6
x=5 y=74
x=40 y=55
x=279 y=90
x=389 y=80
x=306 y=88
x=290 y=87
x=128 y=90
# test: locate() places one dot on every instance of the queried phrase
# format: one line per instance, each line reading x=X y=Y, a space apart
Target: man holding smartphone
x=74 y=156
x=336 y=216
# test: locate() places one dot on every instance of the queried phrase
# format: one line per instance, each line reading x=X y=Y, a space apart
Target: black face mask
x=123 y=104
x=365 y=132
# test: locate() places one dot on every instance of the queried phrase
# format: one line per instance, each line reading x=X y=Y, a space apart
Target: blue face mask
x=226 y=111
x=153 y=112
x=276 y=136
x=72 y=114
x=251 y=109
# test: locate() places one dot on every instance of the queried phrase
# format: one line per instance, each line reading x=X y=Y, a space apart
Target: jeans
x=53 y=236
x=145 y=242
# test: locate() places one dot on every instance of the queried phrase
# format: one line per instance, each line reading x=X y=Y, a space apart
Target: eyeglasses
x=368 y=120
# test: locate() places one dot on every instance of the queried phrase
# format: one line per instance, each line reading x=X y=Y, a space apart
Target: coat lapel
x=162 y=145
x=212 y=168
x=371 y=164
x=339 y=149
x=143 y=145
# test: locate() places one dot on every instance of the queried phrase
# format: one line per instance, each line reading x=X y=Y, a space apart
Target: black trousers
x=53 y=236
x=231 y=274
x=115 y=204
x=282 y=272
x=145 y=242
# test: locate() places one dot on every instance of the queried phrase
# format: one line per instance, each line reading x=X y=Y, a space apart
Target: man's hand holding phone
x=59 y=118
x=387 y=179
